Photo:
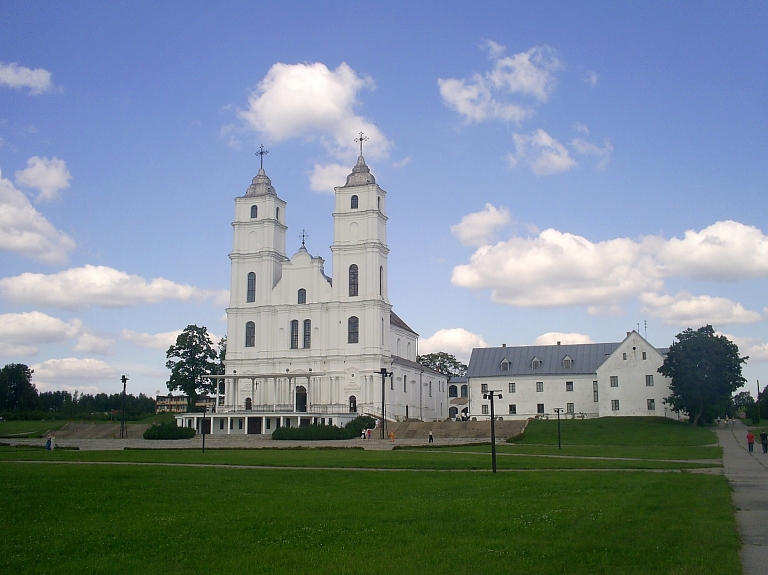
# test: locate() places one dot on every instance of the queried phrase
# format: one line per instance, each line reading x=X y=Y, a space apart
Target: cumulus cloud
x=48 y=176
x=14 y=76
x=327 y=176
x=489 y=96
x=27 y=331
x=543 y=153
x=756 y=349
x=479 y=228
x=68 y=372
x=91 y=342
x=585 y=148
x=160 y=341
x=25 y=231
x=684 y=309
x=590 y=77
x=457 y=341
x=89 y=285
x=311 y=102
x=554 y=337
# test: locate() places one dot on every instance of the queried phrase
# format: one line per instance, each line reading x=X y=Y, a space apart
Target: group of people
x=763 y=441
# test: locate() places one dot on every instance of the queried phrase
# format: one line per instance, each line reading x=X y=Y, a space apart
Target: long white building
x=307 y=348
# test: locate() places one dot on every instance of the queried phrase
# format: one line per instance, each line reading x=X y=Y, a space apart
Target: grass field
x=27 y=428
x=76 y=517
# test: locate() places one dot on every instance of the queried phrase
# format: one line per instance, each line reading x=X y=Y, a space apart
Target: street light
x=490 y=395
x=123 y=430
x=384 y=375
x=558 y=411
x=205 y=411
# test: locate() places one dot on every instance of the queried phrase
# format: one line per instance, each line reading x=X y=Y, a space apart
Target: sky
x=554 y=171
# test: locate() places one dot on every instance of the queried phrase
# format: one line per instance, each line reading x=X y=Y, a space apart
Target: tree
x=16 y=388
x=705 y=370
x=190 y=360
x=743 y=401
x=444 y=363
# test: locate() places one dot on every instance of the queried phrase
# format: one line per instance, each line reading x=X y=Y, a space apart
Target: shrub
x=168 y=430
x=325 y=432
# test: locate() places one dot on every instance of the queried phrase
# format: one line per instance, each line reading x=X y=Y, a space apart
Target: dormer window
x=535 y=363
x=567 y=362
x=254 y=212
x=353 y=203
x=505 y=364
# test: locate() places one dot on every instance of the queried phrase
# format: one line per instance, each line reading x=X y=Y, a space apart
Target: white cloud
x=724 y=251
x=14 y=76
x=457 y=341
x=160 y=341
x=590 y=77
x=326 y=177
x=70 y=372
x=310 y=101
x=555 y=337
x=585 y=148
x=90 y=342
x=89 y=285
x=684 y=309
x=479 y=228
x=26 y=331
x=543 y=153
x=25 y=231
x=579 y=127
x=488 y=96
x=48 y=176
x=402 y=163
x=756 y=349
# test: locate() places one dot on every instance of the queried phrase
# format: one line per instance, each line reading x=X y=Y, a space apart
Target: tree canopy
x=705 y=370
x=16 y=388
x=444 y=363
x=191 y=359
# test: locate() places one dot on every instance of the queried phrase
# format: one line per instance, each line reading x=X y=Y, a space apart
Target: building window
x=594 y=392
x=294 y=334
x=539 y=386
x=239 y=423
x=231 y=423
x=250 y=334
x=251 y=295
x=651 y=405
x=539 y=408
x=505 y=364
x=269 y=421
x=614 y=381
x=221 y=424
x=649 y=380
x=511 y=388
x=535 y=363
x=569 y=408
x=307 y=333
x=568 y=386
x=353 y=330
x=484 y=388
x=464 y=391
x=277 y=214
x=567 y=362
x=512 y=409
x=430 y=389
x=254 y=211
x=645 y=355
x=453 y=391
x=405 y=384
x=381 y=280
x=615 y=404
x=353 y=280
x=353 y=203
x=623 y=356
x=485 y=410
x=302 y=296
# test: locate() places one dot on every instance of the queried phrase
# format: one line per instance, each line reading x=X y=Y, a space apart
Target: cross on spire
x=261 y=153
x=362 y=138
x=303 y=237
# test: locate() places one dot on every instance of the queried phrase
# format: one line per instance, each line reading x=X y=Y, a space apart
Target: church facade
x=304 y=347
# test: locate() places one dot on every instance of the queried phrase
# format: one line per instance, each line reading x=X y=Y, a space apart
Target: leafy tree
x=444 y=363
x=705 y=370
x=743 y=401
x=190 y=360
x=17 y=392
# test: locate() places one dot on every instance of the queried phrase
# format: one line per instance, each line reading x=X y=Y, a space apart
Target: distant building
x=178 y=403
x=585 y=380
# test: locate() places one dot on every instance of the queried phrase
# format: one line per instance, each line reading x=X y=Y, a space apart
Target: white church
x=307 y=348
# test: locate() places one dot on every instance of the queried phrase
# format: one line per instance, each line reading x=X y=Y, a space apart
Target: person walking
x=432 y=439
x=764 y=440
x=751 y=441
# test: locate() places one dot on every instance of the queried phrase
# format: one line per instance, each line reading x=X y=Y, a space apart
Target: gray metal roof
x=585 y=358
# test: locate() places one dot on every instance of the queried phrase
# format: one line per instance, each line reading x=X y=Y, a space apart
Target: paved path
x=748 y=476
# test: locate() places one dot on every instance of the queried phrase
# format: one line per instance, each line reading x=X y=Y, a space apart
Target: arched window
x=378 y=203
x=453 y=391
x=353 y=203
x=352 y=404
x=453 y=412
x=381 y=280
x=254 y=211
x=277 y=214
x=307 y=333
x=302 y=295
x=464 y=390
x=250 y=334
x=251 y=295
x=248 y=404
x=294 y=334
x=353 y=280
x=353 y=330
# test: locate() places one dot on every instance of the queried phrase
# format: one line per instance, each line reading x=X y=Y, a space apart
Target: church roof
x=260 y=186
x=360 y=176
x=395 y=320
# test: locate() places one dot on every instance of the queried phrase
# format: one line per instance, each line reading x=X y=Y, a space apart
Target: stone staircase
x=480 y=430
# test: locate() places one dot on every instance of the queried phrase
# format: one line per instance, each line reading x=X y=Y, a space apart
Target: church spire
x=361 y=173
x=261 y=184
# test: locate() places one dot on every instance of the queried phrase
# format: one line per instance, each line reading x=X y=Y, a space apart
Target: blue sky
x=555 y=171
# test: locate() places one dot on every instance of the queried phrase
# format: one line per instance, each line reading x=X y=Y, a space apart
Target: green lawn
x=34 y=428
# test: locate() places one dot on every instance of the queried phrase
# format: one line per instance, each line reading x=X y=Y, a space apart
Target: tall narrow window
x=251 y=295
x=464 y=391
x=254 y=211
x=353 y=280
x=595 y=397
x=302 y=295
x=250 y=334
x=277 y=214
x=353 y=330
x=569 y=408
x=353 y=203
x=535 y=363
x=381 y=280
x=453 y=391
x=294 y=334
x=307 y=333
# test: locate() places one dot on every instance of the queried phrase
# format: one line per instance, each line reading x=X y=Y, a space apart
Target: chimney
x=629 y=333
x=503 y=345
x=558 y=343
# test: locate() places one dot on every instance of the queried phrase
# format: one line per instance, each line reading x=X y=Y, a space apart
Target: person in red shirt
x=750 y=441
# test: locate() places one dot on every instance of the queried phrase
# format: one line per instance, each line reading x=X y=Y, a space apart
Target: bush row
x=168 y=430
x=326 y=432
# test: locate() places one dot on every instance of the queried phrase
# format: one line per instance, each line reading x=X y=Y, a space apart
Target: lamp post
x=123 y=430
x=205 y=411
x=490 y=395
x=384 y=375
x=558 y=411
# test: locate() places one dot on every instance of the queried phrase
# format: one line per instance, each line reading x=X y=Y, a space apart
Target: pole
x=205 y=411
x=558 y=410
x=123 y=430
x=493 y=435
x=758 y=400
x=384 y=374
